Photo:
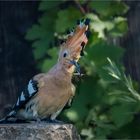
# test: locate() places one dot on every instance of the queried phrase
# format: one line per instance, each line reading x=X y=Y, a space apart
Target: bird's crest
x=77 y=38
x=72 y=48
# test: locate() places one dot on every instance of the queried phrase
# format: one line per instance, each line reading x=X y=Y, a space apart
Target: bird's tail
x=3 y=120
x=9 y=118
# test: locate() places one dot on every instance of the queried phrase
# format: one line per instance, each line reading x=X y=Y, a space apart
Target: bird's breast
x=51 y=99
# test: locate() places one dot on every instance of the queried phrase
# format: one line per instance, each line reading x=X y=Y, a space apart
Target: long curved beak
x=77 y=66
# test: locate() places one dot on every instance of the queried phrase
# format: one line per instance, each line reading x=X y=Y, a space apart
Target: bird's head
x=72 y=48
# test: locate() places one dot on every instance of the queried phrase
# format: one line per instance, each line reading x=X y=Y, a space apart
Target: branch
x=80 y=7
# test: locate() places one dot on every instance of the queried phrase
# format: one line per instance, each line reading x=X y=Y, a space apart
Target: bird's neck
x=61 y=73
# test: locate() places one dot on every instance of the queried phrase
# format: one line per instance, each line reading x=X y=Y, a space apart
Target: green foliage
x=69 y=15
x=106 y=100
x=110 y=8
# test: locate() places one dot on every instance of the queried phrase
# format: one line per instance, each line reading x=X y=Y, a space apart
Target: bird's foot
x=56 y=121
x=35 y=121
x=52 y=121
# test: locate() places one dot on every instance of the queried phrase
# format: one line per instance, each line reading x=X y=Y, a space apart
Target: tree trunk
x=131 y=41
x=16 y=60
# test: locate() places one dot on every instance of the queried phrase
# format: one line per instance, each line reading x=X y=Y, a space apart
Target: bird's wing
x=29 y=91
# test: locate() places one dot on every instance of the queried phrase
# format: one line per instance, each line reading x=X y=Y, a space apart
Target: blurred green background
x=107 y=102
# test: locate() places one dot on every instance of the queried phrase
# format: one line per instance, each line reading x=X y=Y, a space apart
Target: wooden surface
x=38 y=131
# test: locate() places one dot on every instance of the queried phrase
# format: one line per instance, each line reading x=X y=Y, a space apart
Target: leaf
x=88 y=133
x=36 y=32
x=72 y=115
x=100 y=6
x=40 y=48
x=48 y=23
x=103 y=130
x=109 y=8
x=70 y=16
x=49 y=63
x=121 y=114
x=90 y=94
x=101 y=51
x=127 y=99
x=43 y=43
x=99 y=25
x=117 y=8
x=39 y=52
x=120 y=27
x=48 y=5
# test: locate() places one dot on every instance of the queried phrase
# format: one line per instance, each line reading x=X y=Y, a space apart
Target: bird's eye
x=65 y=54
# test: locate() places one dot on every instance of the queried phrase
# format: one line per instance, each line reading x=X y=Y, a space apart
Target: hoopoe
x=48 y=93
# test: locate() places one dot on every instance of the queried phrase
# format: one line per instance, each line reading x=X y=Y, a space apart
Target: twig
x=80 y=7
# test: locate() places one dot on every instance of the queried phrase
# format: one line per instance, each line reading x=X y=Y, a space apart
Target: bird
x=47 y=94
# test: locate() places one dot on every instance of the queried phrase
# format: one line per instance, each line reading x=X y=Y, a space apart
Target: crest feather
x=75 y=38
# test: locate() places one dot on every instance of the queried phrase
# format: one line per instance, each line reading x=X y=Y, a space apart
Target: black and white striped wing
x=24 y=97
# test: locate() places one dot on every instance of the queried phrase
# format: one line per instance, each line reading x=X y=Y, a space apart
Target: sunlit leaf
x=120 y=27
